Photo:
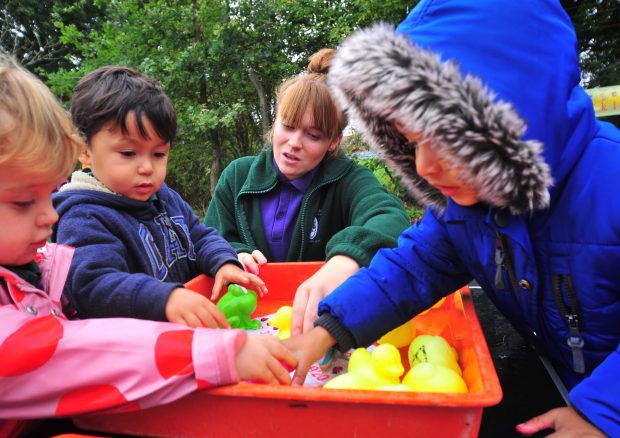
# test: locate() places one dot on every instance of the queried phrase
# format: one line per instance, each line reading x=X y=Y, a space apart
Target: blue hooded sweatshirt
x=495 y=85
x=130 y=255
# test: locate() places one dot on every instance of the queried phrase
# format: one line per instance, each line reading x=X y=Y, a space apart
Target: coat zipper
x=575 y=340
x=504 y=262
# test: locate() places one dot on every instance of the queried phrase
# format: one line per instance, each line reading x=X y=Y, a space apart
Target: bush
x=358 y=150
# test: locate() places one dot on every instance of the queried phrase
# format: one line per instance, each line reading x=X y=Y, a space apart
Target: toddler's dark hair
x=110 y=93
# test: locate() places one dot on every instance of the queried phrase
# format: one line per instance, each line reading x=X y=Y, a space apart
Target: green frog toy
x=237 y=304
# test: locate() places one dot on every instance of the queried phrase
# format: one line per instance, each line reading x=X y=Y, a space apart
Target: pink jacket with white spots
x=51 y=366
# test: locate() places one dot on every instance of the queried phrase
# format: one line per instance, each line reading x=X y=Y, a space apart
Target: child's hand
x=231 y=273
x=252 y=261
x=308 y=348
x=262 y=358
x=187 y=307
x=308 y=295
x=565 y=421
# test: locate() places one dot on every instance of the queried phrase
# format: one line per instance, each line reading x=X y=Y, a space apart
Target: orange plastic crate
x=284 y=411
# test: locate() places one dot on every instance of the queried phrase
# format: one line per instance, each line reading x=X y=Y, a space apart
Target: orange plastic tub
x=254 y=410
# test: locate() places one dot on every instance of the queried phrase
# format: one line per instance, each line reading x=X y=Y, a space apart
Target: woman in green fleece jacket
x=302 y=199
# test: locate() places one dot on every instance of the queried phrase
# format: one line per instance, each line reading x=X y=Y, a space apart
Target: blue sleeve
x=100 y=283
x=399 y=283
x=212 y=250
x=597 y=397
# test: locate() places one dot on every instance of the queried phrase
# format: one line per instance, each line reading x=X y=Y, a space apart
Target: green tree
x=28 y=30
x=597 y=23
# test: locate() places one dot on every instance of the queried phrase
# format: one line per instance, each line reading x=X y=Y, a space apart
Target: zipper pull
x=499 y=262
x=575 y=342
x=166 y=220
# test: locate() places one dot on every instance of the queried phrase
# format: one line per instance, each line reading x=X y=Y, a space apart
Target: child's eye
x=160 y=154
x=24 y=204
x=127 y=153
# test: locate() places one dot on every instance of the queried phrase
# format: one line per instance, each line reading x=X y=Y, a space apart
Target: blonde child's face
x=26 y=213
x=128 y=164
x=439 y=172
x=298 y=150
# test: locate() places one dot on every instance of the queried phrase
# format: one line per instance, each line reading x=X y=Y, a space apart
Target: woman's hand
x=565 y=421
x=253 y=261
x=314 y=289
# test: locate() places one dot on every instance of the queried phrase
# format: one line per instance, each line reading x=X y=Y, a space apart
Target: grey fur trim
x=380 y=77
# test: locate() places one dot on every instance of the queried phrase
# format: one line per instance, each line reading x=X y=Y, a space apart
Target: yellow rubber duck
x=433 y=349
x=282 y=320
x=368 y=370
x=429 y=377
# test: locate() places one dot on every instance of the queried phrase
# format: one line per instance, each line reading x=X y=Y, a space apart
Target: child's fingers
x=279 y=374
x=299 y=377
x=220 y=318
x=536 y=424
x=248 y=262
x=217 y=287
x=299 y=308
x=285 y=356
x=192 y=320
x=211 y=316
x=259 y=258
x=257 y=284
x=310 y=314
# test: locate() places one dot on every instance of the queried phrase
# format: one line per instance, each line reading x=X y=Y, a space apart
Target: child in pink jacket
x=49 y=365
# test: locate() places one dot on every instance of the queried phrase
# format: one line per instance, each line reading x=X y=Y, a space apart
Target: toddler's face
x=298 y=150
x=26 y=214
x=128 y=164
x=439 y=172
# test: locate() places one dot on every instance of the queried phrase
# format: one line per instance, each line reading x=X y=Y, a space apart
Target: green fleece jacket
x=345 y=210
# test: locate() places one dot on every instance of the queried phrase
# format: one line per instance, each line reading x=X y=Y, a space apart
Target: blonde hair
x=35 y=131
x=311 y=91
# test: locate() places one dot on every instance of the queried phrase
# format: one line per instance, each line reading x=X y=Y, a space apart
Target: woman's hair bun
x=321 y=61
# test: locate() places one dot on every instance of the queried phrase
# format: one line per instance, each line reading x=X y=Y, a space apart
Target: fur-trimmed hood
x=488 y=93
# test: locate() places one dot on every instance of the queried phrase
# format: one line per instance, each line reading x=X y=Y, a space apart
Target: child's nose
x=426 y=162
x=47 y=216
x=146 y=167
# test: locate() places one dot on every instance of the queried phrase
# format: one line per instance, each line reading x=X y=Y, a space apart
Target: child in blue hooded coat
x=477 y=105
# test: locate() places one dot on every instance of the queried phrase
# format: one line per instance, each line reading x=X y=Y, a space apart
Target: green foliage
x=221 y=61
x=358 y=149
x=597 y=23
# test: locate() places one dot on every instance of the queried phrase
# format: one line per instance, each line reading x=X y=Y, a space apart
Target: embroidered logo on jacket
x=315 y=228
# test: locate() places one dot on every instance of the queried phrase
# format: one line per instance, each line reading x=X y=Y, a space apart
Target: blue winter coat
x=547 y=253
x=130 y=254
